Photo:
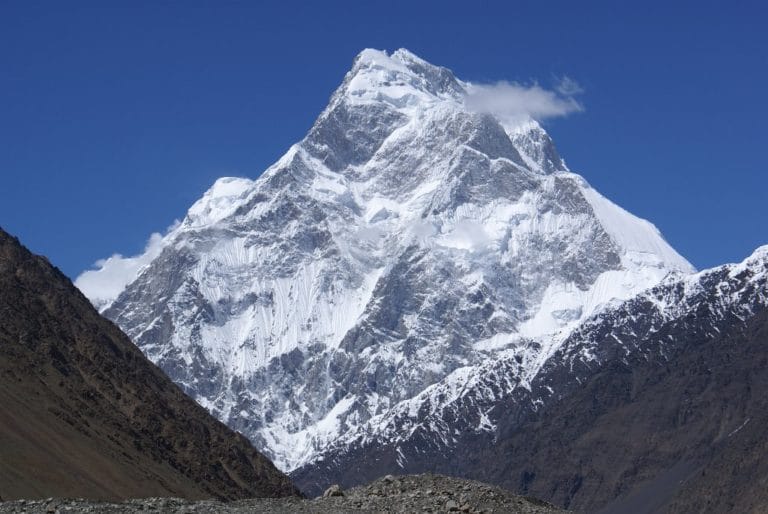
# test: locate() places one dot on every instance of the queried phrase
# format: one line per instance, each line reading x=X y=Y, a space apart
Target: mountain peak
x=400 y=79
x=536 y=147
x=383 y=91
x=405 y=55
x=399 y=60
x=219 y=201
x=761 y=252
x=756 y=262
x=407 y=236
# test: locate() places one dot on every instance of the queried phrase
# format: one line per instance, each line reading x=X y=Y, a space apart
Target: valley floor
x=410 y=493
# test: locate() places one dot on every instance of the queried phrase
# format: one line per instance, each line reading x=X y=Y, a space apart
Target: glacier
x=406 y=244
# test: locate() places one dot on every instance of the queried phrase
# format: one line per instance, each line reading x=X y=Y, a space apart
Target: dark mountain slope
x=718 y=392
x=686 y=433
x=85 y=414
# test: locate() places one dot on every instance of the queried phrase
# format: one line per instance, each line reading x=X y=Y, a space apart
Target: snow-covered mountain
x=407 y=243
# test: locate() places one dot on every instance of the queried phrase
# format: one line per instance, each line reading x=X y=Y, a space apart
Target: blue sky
x=115 y=117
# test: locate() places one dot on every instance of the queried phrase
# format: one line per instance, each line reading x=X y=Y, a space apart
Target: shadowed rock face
x=681 y=433
x=85 y=414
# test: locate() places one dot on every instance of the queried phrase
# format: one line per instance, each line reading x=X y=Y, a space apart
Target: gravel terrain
x=410 y=493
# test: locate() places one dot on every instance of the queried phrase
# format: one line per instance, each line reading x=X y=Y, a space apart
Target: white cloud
x=513 y=103
x=568 y=87
x=467 y=235
x=105 y=283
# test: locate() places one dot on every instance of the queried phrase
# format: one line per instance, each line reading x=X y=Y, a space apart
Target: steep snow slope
x=407 y=238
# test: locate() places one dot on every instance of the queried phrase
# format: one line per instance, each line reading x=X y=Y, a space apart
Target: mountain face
x=85 y=414
x=658 y=404
x=405 y=246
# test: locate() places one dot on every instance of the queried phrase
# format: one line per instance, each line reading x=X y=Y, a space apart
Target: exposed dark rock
x=84 y=413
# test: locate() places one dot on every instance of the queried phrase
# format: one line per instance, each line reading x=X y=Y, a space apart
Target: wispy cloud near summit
x=513 y=103
x=111 y=275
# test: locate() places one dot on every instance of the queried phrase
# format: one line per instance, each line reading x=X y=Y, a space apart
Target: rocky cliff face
x=85 y=414
x=387 y=262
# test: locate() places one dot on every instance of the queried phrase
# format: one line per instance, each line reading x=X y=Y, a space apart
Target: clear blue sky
x=113 y=120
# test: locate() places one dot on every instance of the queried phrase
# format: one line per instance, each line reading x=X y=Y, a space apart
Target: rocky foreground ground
x=411 y=493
